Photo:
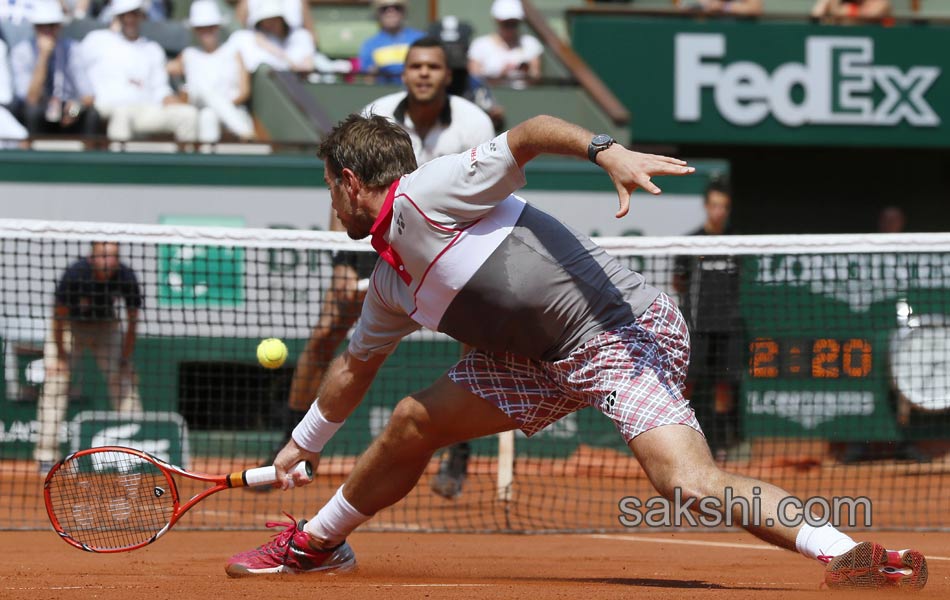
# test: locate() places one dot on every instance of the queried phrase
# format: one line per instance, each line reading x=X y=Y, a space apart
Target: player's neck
x=425 y=115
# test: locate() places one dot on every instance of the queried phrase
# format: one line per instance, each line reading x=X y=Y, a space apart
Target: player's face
x=718 y=207
x=104 y=259
x=354 y=218
x=426 y=75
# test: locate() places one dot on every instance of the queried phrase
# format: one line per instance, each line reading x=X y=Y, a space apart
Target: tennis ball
x=271 y=353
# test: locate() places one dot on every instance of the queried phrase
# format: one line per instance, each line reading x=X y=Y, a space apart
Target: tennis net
x=819 y=363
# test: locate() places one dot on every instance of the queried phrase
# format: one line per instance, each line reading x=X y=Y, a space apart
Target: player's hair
x=429 y=41
x=373 y=147
x=717 y=184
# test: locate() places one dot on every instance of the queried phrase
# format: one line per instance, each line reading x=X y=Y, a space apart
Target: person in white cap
x=52 y=90
x=215 y=78
x=272 y=41
x=296 y=12
x=11 y=131
x=506 y=54
x=129 y=81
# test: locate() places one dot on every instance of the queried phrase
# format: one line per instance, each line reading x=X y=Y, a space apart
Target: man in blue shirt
x=383 y=54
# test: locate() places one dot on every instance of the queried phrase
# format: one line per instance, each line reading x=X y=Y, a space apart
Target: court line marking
x=636 y=538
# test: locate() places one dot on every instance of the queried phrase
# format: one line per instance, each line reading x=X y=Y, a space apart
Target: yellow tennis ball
x=271 y=353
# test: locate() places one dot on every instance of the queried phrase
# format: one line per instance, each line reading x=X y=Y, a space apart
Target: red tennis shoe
x=870 y=565
x=290 y=552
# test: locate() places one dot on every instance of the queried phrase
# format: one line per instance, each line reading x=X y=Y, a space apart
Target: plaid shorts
x=633 y=374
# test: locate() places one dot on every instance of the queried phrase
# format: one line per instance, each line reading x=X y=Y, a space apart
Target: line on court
x=636 y=538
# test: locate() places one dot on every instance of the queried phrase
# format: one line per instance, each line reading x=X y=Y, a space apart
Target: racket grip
x=268 y=475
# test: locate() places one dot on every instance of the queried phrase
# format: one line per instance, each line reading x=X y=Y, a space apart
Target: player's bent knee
x=689 y=482
x=410 y=426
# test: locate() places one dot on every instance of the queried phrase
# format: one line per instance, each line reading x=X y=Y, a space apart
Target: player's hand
x=289 y=456
x=630 y=170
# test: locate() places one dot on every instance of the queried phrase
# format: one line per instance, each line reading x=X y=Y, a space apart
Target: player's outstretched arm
x=627 y=169
x=344 y=386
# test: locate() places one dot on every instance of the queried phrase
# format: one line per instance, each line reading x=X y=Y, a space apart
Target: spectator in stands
x=296 y=13
x=709 y=298
x=724 y=7
x=10 y=129
x=129 y=81
x=84 y=318
x=456 y=38
x=850 y=10
x=384 y=54
x=155 y=10
x=15 y=21
x=438 y=124
x=507 y=53
x=272 y=41
x=52 y=89
x=215 y=78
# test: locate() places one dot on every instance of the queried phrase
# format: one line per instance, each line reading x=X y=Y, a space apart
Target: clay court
x=190 y=564
x=644 y=564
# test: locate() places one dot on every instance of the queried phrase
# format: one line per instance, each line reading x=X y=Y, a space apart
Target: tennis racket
x=115 y=499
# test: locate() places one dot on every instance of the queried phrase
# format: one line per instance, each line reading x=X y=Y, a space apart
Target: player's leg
x=453 y=468
x=420 y=424
x=678 y=463
x=53 y=400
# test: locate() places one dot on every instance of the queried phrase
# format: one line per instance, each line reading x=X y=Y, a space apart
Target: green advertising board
x=161 y=434
x=775 y=83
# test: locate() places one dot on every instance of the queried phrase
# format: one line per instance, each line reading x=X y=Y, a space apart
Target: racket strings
x=111 y=500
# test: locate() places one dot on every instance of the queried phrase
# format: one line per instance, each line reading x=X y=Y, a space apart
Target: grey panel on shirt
x=544 y=291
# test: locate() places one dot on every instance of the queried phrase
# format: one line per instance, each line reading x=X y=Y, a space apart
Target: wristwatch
x=600 y=142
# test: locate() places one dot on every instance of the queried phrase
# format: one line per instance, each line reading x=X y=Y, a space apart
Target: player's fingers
x=623 y=194
x=664 y=168
x=648 y=185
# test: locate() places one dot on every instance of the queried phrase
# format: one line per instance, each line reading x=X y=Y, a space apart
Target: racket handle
x=268 y=475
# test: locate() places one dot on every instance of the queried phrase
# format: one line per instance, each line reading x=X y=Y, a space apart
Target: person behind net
x=437 y=124
x=708 y=288
x=557 y=323
x=384 y=53
x=52 y=89
x=85 y=319
x=506 y=54
x=216 y=80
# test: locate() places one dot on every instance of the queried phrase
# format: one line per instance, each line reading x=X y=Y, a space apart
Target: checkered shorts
x=634 y=374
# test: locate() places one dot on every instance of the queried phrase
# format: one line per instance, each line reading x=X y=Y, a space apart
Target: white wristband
x=314 y=431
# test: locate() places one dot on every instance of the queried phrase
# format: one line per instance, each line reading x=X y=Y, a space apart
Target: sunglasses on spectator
x=510 y=23
x=396 y=7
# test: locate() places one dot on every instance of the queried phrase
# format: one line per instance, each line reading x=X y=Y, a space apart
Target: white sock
x=822 y=541
x=336 y=520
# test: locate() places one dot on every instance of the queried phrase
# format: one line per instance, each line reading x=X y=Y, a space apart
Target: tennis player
x=557 y=325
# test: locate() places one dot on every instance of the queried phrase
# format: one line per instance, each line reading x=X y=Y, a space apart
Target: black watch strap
x=599 y=143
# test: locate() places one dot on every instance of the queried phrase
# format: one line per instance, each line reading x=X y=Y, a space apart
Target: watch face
x=601 y=140
x=920 y=365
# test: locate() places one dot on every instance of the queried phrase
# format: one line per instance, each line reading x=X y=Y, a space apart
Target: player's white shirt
x=124 y=72
x=218 y=71
x=298 y=46
x=461 y=127
x=495 y=57
x=436 y=239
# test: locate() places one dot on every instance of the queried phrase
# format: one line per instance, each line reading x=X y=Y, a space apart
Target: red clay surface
x=185 y=564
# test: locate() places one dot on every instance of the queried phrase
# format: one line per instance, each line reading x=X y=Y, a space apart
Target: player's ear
x=351 y=182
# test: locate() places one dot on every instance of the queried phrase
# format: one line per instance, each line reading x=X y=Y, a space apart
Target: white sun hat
x=204 y=13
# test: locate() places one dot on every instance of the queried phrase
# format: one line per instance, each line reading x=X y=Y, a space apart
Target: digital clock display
x=822 y=358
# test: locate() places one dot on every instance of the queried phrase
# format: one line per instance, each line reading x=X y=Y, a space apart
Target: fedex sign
x=838 y=83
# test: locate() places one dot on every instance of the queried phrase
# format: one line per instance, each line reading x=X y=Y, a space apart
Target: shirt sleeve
x=300 y=46
x=77 y=70
x=531 y=47
x=131 y=291
x=366 y=54
x=22 y=64
x=6 y=87
x=66 y=287
x=380 y=327
x=159 y=87
x=463 y=187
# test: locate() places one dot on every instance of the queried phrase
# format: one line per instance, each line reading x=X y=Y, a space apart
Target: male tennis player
x=557 y=325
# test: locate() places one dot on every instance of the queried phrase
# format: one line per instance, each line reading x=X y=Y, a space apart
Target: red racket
x=115 y=499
